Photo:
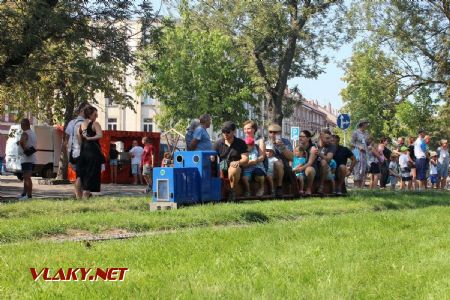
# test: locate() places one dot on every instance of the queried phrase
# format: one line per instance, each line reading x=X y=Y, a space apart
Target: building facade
x=308 y=115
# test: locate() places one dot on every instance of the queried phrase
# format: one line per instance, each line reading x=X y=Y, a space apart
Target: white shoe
x=24 y=197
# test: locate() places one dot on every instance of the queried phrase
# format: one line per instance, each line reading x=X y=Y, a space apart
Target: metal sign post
x=295 y=134
x=343 y=122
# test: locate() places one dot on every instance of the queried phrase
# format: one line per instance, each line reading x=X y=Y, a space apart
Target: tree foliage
x=371 y=91
x=278 y=39
x=193 y=71
x=418 y=33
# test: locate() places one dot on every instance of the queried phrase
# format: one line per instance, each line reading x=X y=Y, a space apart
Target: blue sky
x=326 y=87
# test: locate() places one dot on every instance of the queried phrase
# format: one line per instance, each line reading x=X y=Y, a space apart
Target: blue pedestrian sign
x=343 y=121
x=295 y=133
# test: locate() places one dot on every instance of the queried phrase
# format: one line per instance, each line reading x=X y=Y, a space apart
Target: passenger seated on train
x=254 y=171
x=282 y=149
x=310 y=168
x=324 y=157
x=271 y=159
x=233 y=156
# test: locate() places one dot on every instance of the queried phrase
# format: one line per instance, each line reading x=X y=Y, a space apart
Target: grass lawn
x=368 y=245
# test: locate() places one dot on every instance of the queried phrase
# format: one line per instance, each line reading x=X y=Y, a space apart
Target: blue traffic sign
x=343 y=121
x=295 y=133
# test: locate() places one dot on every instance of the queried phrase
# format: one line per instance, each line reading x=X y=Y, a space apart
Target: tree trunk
x=68 y=116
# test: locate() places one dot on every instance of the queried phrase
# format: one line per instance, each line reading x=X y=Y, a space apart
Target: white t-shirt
x=403 y=160
x=71 y=131
x=271 y=161
x=433 y=169
x=31 y=142
x=137 y=153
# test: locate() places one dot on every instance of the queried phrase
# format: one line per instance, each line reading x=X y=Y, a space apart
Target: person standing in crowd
x=405 y=170
x=394 y=174
x=400 y=143
x=2 y=156
x=374 y=158
x=420 y=150
x=359 y=148
x=28 y=144
x=341 y=156
x=434 y=170
x=284 y=152
x=201 y=139
x=73 y=146
x=190 y=132
x=384 y=166
x=233 y=156
x=412 y=162
x=148 y=162
x=136 y=157
x=310 y=168
x=254 y=171
x=443 y=163
x=89 y=164
x=324 y=157
x=113 y=156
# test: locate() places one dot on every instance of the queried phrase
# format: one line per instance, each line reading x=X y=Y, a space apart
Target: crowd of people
x=312 y=166
x=316 y=166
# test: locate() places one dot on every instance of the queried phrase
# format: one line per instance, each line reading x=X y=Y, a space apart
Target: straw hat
x=274 y=127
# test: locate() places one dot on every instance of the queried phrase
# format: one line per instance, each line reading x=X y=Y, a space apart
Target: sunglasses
x=226 y=131
x=273 y=131
x=302 y=135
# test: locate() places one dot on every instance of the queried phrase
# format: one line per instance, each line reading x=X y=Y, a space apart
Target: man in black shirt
x=233 y=156
x=385 y=164
x=325 y=155
x=341 y=156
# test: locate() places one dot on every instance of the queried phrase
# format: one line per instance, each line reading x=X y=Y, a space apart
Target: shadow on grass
x=391 y=200
x=255 y=217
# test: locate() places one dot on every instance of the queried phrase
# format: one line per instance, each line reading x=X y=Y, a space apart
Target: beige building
x=309 y=115
x=113 y=117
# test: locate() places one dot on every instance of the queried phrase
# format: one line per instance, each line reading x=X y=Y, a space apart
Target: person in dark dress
x=91 y=158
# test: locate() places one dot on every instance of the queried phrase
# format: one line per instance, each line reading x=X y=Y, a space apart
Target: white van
x=49 y=141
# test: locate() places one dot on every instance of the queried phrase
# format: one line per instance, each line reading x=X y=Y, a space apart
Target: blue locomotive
x=194 y=178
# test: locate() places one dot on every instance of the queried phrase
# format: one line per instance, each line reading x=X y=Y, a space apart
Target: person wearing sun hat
x=358 y=143
x=443 y=162
x=434 y=170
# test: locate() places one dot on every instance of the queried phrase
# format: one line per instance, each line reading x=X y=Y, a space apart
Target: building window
x=147 y=100
x=148 y=125
x=109 y=100
x=112 y=123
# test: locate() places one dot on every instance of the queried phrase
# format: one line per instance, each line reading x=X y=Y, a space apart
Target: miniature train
x=194 y=178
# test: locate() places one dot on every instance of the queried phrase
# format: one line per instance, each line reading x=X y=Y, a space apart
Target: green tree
x=371 y=91
x=80 y=49
x=420 y=113
x=418 y=33
x=278 y=39
x=193 y=71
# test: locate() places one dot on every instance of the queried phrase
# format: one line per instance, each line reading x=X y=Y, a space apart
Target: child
x=433 y=170
x=405 y=171
x=393 y=170
x=297 y=163
x=373 y=159
x=113 y=155
x=254 y=169
x=332 y=174
x=167 y=160
x=271 y=159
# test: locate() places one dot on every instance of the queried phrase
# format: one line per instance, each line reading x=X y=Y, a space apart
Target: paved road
x=11 y=187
